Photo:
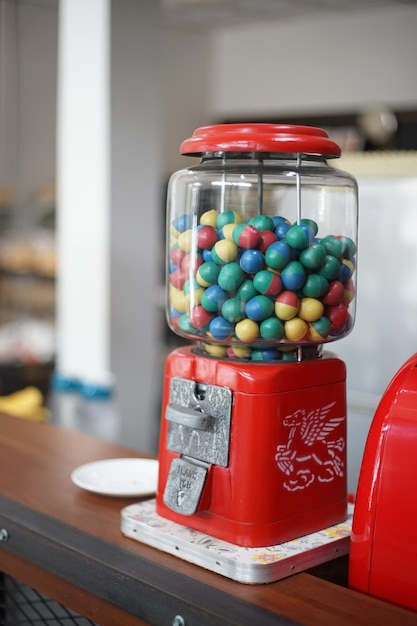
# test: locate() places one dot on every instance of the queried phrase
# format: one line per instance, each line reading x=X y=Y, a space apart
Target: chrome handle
x=187 y=416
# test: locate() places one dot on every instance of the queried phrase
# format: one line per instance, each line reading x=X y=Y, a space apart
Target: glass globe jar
x=261 y=242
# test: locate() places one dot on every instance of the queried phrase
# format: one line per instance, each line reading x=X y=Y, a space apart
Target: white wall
x=185 y=91
x=337 y=63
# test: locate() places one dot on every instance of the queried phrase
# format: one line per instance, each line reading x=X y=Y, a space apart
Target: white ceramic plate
x=118 y=477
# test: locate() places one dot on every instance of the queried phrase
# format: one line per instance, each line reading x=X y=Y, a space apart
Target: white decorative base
x=247 y=565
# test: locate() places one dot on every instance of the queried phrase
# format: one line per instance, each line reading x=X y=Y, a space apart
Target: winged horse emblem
x=310 y=453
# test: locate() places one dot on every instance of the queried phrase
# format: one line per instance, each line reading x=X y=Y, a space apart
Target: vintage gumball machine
x=261 y=274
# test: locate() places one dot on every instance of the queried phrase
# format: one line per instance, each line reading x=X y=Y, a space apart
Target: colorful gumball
x=268 y=283
x=247 y=330
x=311 y=309
x=178 y=300
x=216 y=350
x=286 y=305
x=281 y=229
x=315 y=286
x=209 y=218
x=337 y=315
x=231 y=277
x=180 y=224
x=177 y=278
x=206 y=254
x=346 y=270
x=185 y=325
x=224 y=251
x=348 y=292
x=271 y=328
x=238 y=352
x=262 y=222
x=293 y=276
x=228 y=217
x=296 y=329
x=185 y=240
x=312 y=226
x=334 y=294
x=193 y=289
x=278 y=255
x=267 y=238
x=349 y=247
x=247 y=290
x=297 y=237
x=265 y=354
x=207 y=273
x=333 y=245
x=206 y=237
x=246 y=236
x=251 y=261
x=191 y=262
x=220 y=328
x=259 y=308
x=213 y=298
x=176 y=255
x=313 y=257
x=319 y=329
x=233 y=310
x=200 y=317
x=330 y=268
x=227 y=232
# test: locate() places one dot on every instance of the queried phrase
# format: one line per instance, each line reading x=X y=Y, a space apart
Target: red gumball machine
x=261 y=274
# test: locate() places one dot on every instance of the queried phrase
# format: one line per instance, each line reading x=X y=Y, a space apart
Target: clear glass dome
x=262 y=245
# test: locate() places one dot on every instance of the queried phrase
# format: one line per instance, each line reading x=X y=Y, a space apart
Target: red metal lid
x=260 y=138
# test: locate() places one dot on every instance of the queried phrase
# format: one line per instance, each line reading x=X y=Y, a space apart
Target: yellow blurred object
x=27 y=404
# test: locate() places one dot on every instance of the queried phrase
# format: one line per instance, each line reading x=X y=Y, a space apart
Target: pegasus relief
x=310 y=453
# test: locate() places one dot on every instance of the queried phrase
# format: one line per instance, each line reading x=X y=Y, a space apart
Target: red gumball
x=337 y=314
x=191 y=263
x=206 y=237
x=249 y=237
x=200 y=317
x=178 y=278
x=267 y=237
x=334 y=293
x=176 y=255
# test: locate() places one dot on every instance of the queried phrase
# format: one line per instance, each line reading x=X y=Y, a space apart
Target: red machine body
x=283 y=471
x=383 y=553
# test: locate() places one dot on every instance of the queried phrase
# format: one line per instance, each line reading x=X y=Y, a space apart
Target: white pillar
x=110 y=206
x=83 y=191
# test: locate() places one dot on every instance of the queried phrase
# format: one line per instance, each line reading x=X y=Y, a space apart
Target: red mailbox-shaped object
x=383 y=552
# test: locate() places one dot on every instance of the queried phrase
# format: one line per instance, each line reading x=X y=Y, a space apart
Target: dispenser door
x=199 y=418
x=199 y=430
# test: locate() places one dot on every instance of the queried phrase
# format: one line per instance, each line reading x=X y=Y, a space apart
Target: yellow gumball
x=247 y=330
x=310 y=309
x=215 y=350
x=179 y=300
x=185 y=240
x=228 y=231
x=209 y=218
x=296 y=329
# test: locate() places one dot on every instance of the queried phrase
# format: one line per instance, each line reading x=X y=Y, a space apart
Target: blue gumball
x=220 y=328
x=213 y=298
x=252 y=261
x=267 y=354
x=293 y=276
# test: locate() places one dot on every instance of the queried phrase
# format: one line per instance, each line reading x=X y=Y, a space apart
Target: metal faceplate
x=199 y=418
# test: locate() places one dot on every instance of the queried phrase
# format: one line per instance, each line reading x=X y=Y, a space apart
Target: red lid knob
x=260 y=138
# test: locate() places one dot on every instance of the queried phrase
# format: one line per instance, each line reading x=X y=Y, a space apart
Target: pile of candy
x=252 y=289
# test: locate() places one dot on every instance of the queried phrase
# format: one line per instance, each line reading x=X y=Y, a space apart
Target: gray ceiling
x=203 y=14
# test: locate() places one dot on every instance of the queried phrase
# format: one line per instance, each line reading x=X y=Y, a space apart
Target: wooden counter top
x=67 y=543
